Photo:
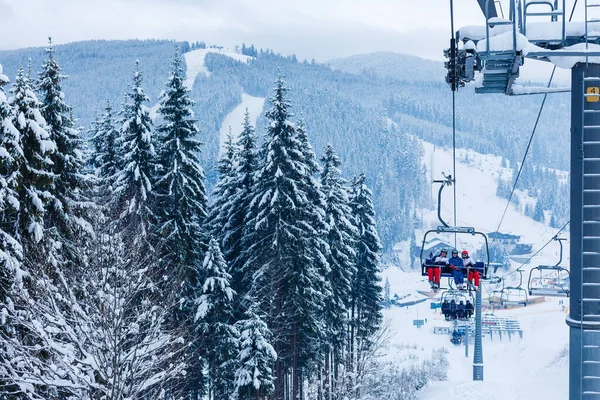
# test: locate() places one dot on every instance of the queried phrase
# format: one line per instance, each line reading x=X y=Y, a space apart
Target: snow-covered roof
x=502 y=38
x=500 y=235
x=430 y=244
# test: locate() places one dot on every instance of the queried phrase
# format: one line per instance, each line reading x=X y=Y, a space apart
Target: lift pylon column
x=584 y=311
x=478 y=356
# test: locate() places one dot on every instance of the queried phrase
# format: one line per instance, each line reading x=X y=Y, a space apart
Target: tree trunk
x=334 y=379
x=295 y=389
x=301 y=384
x=326 y=382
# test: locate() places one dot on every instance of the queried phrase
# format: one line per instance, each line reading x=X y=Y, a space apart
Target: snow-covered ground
x=535 y=367
x=235 y=118
x=195 y=62
x=195 y=65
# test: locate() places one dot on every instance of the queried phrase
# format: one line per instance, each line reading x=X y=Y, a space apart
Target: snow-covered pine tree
x=538 y=211
x=340 y=237
x=223 y=193
x=68 y=206
x=218 y=336
x=413 y=249
x=34 y=166
x=94 y=144
x=365 y=306
x=38 y=334
x=106 y=153
x=180 y=212
x=237 y=225
x=307 y=150
x=284 y=249
x=386 y=292
x=254 y=376
x=133 y=197
x=10 y=155
x=179 y=186
x=10 y=250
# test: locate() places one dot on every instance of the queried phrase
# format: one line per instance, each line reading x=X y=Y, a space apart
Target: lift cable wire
x=537 y=120
x=453 y=43
x=531 y=137
x=573 y=10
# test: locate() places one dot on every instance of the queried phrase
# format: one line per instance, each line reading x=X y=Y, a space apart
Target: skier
x=456 y=338
x=469 y=266
x=456 y=264
x=434 y=273
x=453 y=309
x=446 y=309
x=469 y=309
x=460 y=310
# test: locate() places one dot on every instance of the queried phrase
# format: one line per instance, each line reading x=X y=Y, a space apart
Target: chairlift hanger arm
x=445 y=182
x=559 y=240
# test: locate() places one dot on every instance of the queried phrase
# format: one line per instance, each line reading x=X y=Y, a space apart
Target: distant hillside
x=402 y=67
x=371 y=108
x=100 y=70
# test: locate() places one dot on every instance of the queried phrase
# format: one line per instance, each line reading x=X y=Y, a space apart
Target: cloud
x=320 y=29
x=6 y=10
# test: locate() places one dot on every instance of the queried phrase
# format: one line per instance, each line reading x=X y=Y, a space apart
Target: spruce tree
x=180 y=212
x=36 y=319
x=340 y=237
x=133 y=197
x=33 y=168
x=179 y=186
x=237 y=225
x=307 y=151
x=67 y=163
x=10 y=249
x=386 y=295
x=223 y=193
x=254 y=376
x=284 y=249
x=365 y=307
x=10 y=155
x=538 y=211
x=214 y=313
x=106 y=150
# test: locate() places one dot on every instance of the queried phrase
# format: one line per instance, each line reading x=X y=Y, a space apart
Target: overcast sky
x=320 y=29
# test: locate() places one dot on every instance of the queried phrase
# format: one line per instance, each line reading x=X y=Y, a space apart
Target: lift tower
x=491 y=56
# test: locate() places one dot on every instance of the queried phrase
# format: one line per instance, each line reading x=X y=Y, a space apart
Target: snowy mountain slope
x=235 y=118
x=535 y=367
x=391 y=65
x=194 y=61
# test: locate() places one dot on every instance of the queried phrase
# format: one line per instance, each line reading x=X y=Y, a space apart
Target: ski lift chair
x=446 y=272
x=496 y=294
x=543 y=286
x=513 y=295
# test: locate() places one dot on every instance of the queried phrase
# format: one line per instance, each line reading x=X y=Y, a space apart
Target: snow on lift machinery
x=497 y=50
x=514 y=295
x=548 y=286
x=426 y=263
